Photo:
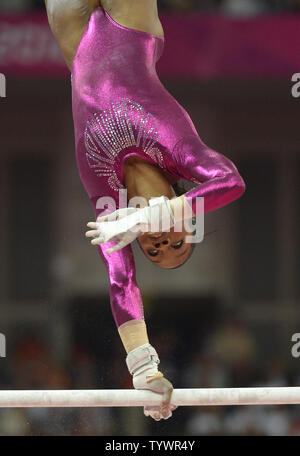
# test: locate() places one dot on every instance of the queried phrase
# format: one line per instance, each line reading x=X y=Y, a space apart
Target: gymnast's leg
x=68 y=19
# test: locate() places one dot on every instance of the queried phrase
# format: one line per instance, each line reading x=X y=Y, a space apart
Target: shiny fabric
x=120 y=108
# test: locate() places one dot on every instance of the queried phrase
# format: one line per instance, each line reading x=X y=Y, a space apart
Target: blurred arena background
x=226 y=318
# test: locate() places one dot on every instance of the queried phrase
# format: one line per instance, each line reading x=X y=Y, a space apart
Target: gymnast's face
x=167 y=250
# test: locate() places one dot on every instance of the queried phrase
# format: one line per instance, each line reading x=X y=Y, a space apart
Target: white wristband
x=142 y=358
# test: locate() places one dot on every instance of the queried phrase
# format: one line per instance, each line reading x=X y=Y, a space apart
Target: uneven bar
x=133 y=398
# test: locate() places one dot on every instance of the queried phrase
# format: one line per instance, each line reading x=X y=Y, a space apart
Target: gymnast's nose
x=162 y=243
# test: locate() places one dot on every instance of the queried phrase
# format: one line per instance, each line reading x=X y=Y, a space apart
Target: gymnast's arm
x=125 y=296
x=127 y=308
x=68 y=20
x=218 y=179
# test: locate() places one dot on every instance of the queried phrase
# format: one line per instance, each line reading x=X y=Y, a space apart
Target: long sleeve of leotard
x=125 y=296
x=218 y=179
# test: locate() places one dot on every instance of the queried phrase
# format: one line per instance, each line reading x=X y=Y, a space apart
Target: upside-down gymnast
x=131 y=134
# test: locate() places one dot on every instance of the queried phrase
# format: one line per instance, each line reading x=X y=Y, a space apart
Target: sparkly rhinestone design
x=107 y=133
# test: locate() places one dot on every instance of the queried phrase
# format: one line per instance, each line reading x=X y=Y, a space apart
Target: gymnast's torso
x=120 y=107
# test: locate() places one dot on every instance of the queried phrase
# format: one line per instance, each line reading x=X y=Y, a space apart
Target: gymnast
x=131 y=135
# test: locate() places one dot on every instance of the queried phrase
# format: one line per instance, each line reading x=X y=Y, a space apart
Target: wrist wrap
x=142 y=358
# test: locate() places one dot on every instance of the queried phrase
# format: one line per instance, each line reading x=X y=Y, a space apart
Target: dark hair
x=192 y=250
x=179 y=189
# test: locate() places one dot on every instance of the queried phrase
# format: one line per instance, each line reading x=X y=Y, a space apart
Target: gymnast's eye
x=178 y=244
x=153 y=253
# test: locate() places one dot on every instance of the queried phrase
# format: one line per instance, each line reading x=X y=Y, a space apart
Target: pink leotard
x=120 y=108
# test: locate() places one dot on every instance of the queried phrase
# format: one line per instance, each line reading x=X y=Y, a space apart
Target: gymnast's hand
x=122 y=226
x=125 y=225
x=142 y=363
x=158 y=384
